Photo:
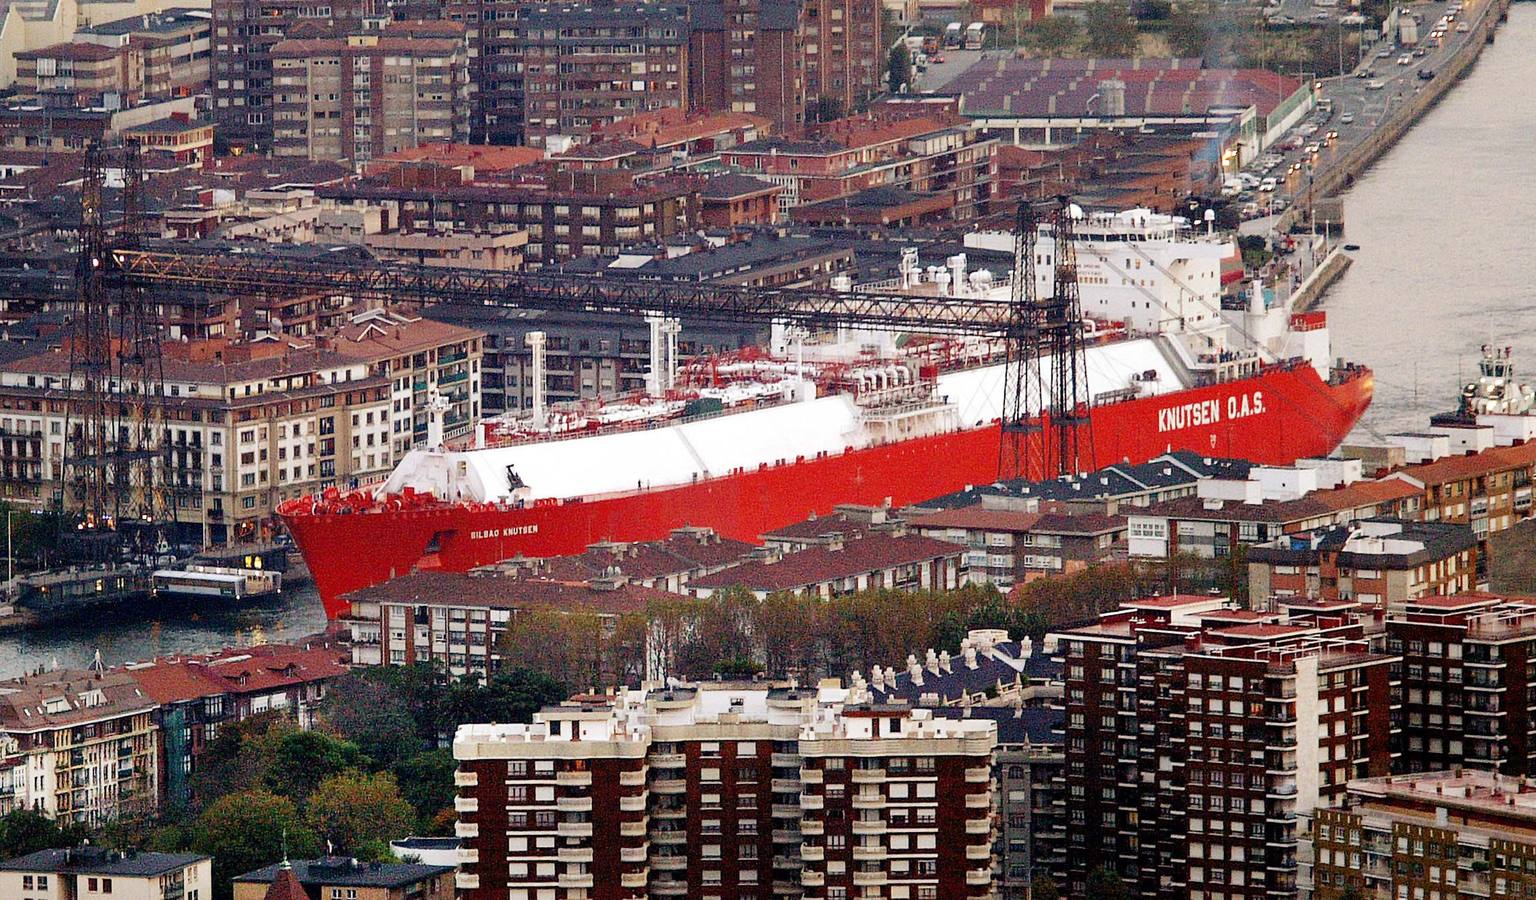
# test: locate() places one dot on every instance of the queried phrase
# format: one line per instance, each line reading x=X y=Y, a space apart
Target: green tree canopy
x=426 y=782
x=303 y=758
x=351 y=809
x=1052 y=35
x=898 y=68
x=1111 y=32
x=1105 y=883
x=26 y=831
x=375 y=716
x=1044 y=888
x=248 y=830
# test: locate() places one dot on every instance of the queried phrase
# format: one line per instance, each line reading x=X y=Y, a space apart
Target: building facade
x=1381 y=562
x=370 y=94
x=727 y=791
x=97 y=872
x=79 y=746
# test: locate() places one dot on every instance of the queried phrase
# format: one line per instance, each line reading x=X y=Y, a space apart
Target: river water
x=1444 y=223
x=1446 y=264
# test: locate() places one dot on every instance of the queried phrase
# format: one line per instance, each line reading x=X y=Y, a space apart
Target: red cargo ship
x=883 y=431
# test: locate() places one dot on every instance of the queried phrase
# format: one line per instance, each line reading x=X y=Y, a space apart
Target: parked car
x=1347 y=119
x=1463 y=27
x=1426 y=74
x=1405 y=60
x=1375 y=85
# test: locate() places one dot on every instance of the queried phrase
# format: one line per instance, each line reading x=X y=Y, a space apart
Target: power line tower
x=115 y=400
x=1046 y=430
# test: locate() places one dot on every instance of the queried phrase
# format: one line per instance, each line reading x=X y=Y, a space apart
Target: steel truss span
x=814 y=307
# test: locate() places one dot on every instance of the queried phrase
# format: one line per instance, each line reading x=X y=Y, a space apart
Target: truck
x=974 y=34
x=952 y=36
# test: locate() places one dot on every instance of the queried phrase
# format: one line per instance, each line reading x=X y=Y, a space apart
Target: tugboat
x=1494 y=393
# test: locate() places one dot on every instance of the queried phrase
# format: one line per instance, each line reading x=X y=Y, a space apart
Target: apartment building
x=457 y=619
x=1008 y=548
x=370 y=94
x=1196 y=733
x=80 y=71
x=98 y=872
x=256 y=423
x=722 y=790
x=1225 y=514
x=79 y=746
x=1487 y=489
x=175 y=47
x=346 y=878
x=566 y=215
x=198 y=695
x=936 y=157
x=1448 y=834
x=877 y=560
x=1382 y=563
x=748 y=56
x=585 y=68
x=244 y=33
x=1466 y=688
x=844 y=54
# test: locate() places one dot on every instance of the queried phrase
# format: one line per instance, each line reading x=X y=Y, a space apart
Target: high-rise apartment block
x=585 y=68
x=1467 y=683
x=244 y=33
x=728 y=791
x=1196 y=734
x=372 y=93
x=1451 y=835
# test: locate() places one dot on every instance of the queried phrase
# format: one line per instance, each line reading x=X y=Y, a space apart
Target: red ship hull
x=1273 y=418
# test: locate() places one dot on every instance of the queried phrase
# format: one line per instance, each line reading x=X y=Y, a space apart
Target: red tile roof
x=874 y=552
x=286 y=886
x=1470 y=465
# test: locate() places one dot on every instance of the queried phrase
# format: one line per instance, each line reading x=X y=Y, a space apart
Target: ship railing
x=626 y=427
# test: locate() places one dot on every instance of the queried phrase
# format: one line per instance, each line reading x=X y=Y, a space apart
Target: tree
x=1052 y=35
x=898 y=68
x=249 y=830
x=351 y=809
x=1111 y=32
x=239 y=758
x=826 y=109
x=303 y=758
x=1189 y=31
x=374 y=716
x=1105 y=883
x=28 y=831
x=1044 y=888
x=426 y=782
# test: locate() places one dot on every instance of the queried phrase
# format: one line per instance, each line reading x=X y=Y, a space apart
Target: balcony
x=812 y=801
x=972 y=826
x=634 y=829
x=978 y=852
x=785 y=811
x=635 y=854
x=669 y=863
x=466 y=804
x=784 y=760
x=667 y=760
x=462 y=778
x=668 y=786
x=635 y=879
x=678 y=836
x=466 y=829
x=868 y=776
x=632 y=804
x=669 y=888
x=876 y=852
x=813 y=826
x=978 y=801
x=786 y=836
x=870 y=827
x=869 y=801
x=875 y=879
x=574 y=804
x=978 y=775
x=574 y=829
x=810 y=776
x=812 y=878
x=785 y=785
x=980 y=877
x=581 y=779
x=468 y=856
x=466 y=881
x=812 y=853
x=632 y=779
x=576 y=881
x=574 y=854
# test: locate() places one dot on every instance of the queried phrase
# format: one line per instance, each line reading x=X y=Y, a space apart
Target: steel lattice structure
x=815 y=308
x=115 y=425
